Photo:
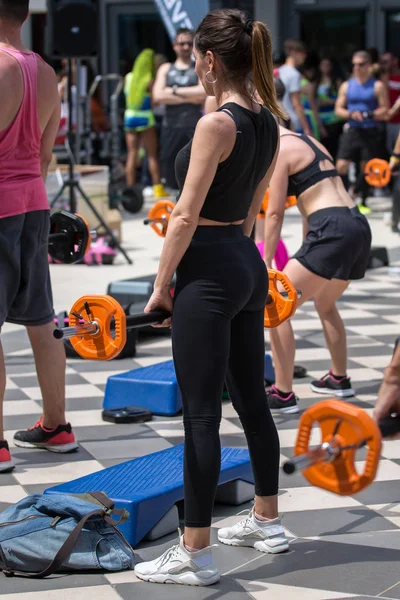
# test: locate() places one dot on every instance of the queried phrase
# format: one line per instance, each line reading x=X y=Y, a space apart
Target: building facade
x=332 y=27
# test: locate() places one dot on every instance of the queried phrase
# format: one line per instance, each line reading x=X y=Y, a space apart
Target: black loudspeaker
x=72 y=28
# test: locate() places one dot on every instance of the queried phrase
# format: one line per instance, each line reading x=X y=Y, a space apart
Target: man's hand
x=389 y=396
x=356 y=115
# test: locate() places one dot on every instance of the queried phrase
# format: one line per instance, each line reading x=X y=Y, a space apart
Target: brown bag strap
x=103 y=499
x=63 y=553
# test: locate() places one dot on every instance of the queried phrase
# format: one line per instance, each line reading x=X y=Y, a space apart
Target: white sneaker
x=178 y=565
x=265 y=536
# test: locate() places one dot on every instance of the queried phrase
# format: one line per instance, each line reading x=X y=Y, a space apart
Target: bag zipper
x=23 y=520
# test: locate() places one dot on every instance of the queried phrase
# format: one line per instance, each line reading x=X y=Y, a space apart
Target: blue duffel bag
x=44 y=534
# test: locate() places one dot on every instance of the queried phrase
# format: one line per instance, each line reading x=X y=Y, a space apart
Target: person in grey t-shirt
x=295 y=53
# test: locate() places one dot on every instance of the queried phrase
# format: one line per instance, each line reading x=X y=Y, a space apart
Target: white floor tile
x=10 y=494
x=10 y=385
x=58 y=473
x=97 y=377
x=147 y=361
x=307 y=325
x=312 y=354
x=374 y=362
x=228 y=412
x=273 y=591
x=21 y=407
x=312 y=498
x=392 y=318
x=387 y=471
x=371 y=330
x=228 y=428
x=351 y=313
x=101 y=592
x=84 y=418
x=165 y=428
x=288 y=437
x=123 y=577
x=84 y=390
x=391 y=449
x=367 y=285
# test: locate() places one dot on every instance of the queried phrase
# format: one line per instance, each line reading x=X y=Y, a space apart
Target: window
x=334 y=33
x=393 y=31
x=139 y=31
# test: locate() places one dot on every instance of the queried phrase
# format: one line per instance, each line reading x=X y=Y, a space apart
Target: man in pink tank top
x=29 y=120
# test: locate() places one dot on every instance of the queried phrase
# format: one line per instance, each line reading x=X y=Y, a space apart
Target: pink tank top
x=22 y=188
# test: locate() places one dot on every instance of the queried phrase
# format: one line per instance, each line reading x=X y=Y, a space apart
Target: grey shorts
x=25 y=287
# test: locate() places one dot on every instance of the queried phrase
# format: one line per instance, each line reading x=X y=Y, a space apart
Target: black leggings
x=217 y=336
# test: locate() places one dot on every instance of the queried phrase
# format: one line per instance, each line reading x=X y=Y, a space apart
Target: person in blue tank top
x=363 y=102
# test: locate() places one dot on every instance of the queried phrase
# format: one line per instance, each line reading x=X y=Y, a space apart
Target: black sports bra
x=302 y=180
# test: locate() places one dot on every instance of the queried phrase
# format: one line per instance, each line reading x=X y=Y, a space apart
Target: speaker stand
x=71 y=184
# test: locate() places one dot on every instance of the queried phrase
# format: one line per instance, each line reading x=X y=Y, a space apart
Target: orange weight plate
x=377 y=172
x=341 y=425
x=290 y=201
x=106 y=344
x=159 y=216
x=279 y=309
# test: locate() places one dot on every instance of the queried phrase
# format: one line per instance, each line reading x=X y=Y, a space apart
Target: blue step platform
x=149 y=486
x=154 y=388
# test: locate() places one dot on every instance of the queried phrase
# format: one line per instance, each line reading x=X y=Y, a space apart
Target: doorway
x=393 y=31
x=334 y=33
x=131 y=29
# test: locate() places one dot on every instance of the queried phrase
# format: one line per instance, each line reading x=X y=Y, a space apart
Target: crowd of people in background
x=355 y=114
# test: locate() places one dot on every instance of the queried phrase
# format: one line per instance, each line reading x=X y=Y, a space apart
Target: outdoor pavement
x=341 y=547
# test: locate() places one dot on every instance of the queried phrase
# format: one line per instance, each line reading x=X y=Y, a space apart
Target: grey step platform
x=148 y=488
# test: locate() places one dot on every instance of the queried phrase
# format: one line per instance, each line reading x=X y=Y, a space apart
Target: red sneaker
x=6 y=462
x=61 y=439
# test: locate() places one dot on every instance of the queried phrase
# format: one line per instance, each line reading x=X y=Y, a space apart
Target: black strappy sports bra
x=302 y=180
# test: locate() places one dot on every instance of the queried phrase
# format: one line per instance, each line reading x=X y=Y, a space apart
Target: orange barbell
x=98 y=324
x=377 y=173
x=344 y=429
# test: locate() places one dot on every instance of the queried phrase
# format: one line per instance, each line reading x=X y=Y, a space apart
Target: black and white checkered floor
x=342 y=547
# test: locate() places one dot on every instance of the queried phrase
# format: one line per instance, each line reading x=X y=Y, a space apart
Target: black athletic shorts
x=337 y=245
x=172 y=141
x=25 y=288
x=358 y=144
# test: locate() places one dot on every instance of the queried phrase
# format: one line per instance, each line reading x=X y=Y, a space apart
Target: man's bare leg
x=50 y=360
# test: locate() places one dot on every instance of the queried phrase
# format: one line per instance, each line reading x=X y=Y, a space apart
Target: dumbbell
x=159 y=215
x=377 y=173
x=344 y=429
x=98 y=324
x=69 y=237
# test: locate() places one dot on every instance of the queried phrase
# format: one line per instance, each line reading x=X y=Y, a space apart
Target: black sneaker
x=61 y=439
x=341 y=388
x=282 y=406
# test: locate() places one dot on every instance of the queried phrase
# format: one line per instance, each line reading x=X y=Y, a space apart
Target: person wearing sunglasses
x=178 y=88
x=363 y=102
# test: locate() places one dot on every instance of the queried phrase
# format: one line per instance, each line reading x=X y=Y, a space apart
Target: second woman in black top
x=220 y=294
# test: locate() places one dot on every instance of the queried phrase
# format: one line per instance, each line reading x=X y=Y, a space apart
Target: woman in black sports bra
x=335 y=251
x=220 y=292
